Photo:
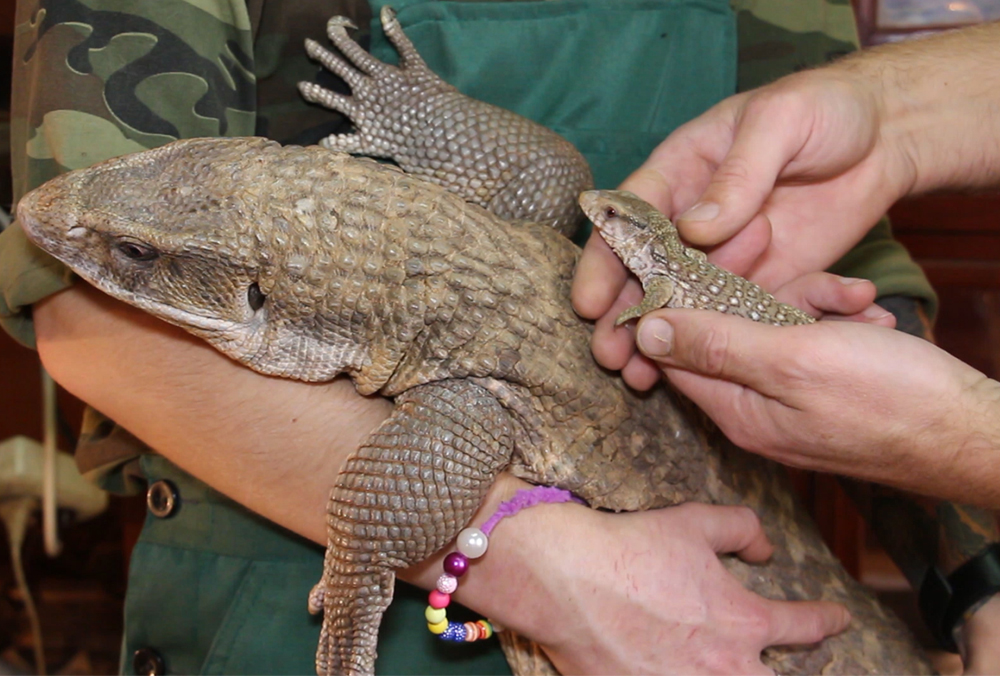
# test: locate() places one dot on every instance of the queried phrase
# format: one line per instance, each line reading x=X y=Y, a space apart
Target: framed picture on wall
x=890 y=20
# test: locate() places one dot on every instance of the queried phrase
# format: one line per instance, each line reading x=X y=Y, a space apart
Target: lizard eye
x=255 y=297
x=137 y=251
x=610 y=212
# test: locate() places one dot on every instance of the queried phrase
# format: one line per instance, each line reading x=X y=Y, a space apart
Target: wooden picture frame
x=891 y=20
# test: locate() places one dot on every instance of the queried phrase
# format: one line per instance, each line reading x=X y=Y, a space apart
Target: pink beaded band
x=472 y=544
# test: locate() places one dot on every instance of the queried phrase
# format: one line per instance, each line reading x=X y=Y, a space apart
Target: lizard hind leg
x=403 y=496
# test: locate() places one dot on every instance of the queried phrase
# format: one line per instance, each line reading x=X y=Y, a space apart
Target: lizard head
x=173 y=231
x=630 y=226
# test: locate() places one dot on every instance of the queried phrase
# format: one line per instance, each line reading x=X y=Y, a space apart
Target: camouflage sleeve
x=778 y=37
x=95 y=79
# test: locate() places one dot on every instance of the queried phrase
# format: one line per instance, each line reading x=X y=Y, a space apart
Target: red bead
x=456 y=564
x=438 y=600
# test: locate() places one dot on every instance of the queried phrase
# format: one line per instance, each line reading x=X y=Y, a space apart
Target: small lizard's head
x=623 y=220
x=160 y=231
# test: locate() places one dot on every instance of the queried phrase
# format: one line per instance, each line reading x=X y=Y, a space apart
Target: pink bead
x=447 y=584
x=456 y=564
x=438 y=600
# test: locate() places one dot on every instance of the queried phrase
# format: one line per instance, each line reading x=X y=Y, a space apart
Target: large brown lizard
x=306 y=263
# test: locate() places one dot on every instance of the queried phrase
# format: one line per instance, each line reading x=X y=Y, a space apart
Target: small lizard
x=672 y=274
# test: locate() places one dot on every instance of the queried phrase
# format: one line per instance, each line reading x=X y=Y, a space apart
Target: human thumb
x=711 y=344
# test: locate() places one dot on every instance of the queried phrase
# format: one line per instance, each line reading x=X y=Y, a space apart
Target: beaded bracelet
x=472 y=544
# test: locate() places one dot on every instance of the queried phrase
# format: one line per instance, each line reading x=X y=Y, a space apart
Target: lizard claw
x=338 y=25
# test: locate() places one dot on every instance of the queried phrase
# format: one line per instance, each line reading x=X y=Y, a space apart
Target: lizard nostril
x=255 y=297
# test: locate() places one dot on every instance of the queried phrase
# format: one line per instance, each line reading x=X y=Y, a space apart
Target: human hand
x=772 y=161
x=758 y=173
x=653 y=597
x=838 y=397
x=820 y=294
x=980 y=639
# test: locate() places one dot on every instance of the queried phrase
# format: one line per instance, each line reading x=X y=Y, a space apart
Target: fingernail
x=876 y=312
x=848 y=281
x=656 y=337
x=703 y=211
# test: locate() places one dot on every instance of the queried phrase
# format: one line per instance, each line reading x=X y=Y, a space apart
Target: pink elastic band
x=527 y=497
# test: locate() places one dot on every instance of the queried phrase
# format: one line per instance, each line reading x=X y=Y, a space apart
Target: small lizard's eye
x=610 y=212
x=137 y=251
x=255 y=297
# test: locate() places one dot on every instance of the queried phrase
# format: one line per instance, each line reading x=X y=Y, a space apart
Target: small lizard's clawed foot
x=658 y=292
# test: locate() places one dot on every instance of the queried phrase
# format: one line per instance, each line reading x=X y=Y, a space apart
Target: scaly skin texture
x=304 y=263
x=491 y=157
x=672 y=274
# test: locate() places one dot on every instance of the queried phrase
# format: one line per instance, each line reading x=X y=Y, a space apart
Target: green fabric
x=215 y=589
x=886 y=262
x=652 y=65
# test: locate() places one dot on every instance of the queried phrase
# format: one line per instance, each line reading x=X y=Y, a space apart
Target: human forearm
x=216 y=419
x=978 y=639
x=939 y=107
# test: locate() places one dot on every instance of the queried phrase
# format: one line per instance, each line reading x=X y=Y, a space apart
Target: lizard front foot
x=658 y=292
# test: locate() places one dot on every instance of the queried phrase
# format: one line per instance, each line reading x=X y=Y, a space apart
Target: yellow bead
x=439 y=627
x=434 y=615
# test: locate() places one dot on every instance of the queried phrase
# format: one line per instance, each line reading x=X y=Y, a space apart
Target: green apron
x=214 y=589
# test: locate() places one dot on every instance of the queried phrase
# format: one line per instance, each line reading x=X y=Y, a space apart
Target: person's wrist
x=978 y=638
x=875 y=81
x=517 y=583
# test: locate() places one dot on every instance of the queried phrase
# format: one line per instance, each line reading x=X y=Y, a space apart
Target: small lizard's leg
x=402 y=497
x=658 y=292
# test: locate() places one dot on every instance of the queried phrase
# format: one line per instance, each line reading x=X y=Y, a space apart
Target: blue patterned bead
x=455 y=632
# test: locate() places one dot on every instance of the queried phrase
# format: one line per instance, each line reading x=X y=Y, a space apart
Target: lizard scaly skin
x=672 y=274
x=306 y=263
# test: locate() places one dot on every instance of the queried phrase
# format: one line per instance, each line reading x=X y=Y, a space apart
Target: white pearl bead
x=472 y=542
